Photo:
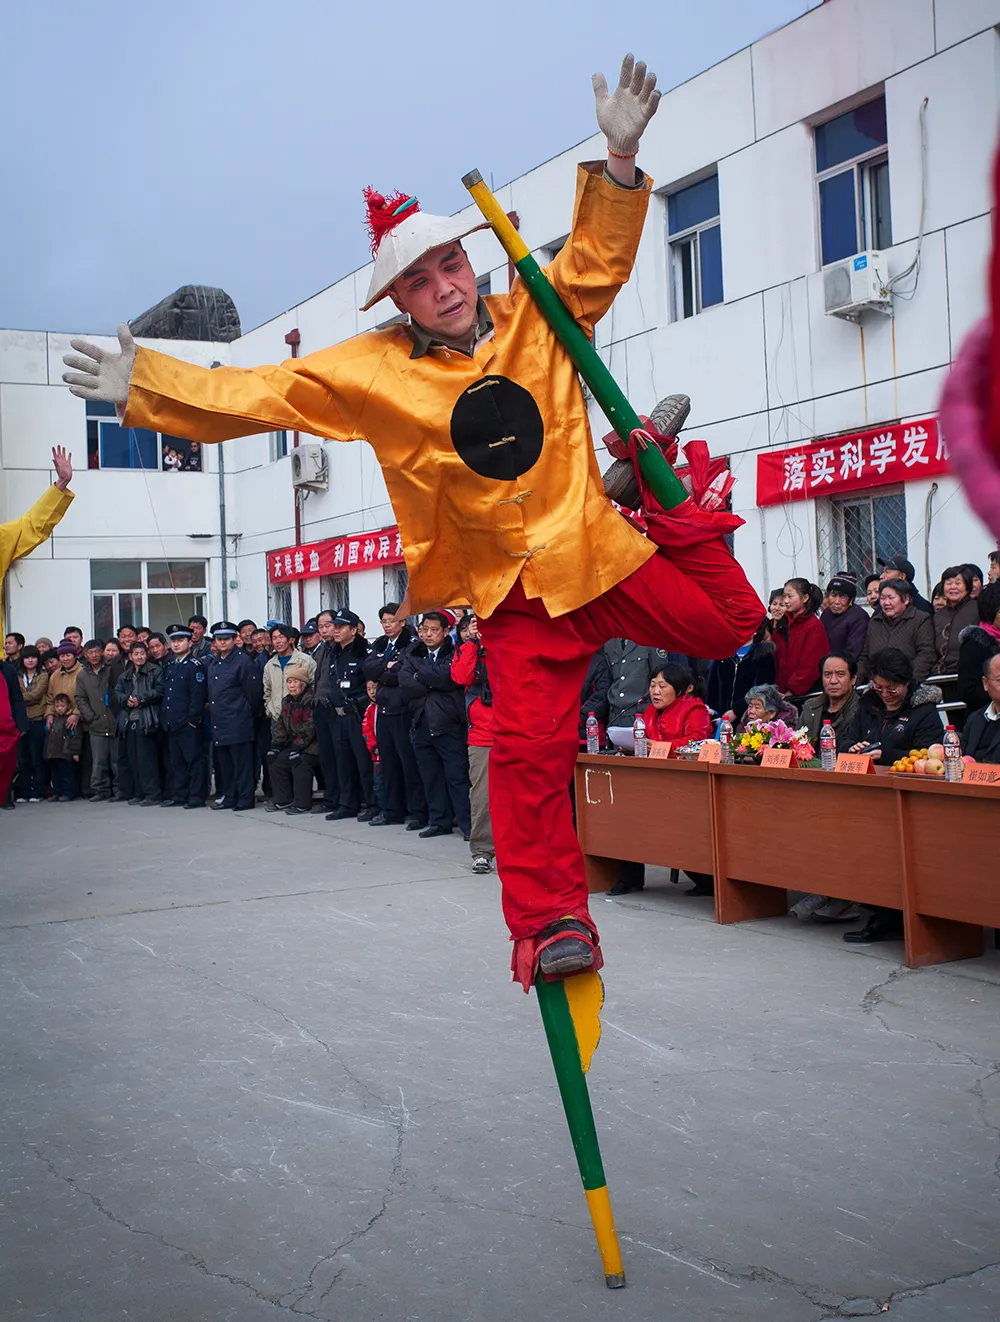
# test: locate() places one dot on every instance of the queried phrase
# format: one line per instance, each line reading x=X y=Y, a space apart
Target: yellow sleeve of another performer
x=322 y=394
x=598 y=256
x=21 y=536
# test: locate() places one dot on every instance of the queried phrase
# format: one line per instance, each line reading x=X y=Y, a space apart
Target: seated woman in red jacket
x=800 y=641
x=677 y=713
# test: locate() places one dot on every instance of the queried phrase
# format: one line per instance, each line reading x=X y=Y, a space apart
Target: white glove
x=99 y=374
x=623 y=117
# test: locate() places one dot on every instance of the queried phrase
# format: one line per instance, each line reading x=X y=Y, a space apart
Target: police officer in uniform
x=632 y=667
x=346 y=691
x=235 y=697
x=181 y=715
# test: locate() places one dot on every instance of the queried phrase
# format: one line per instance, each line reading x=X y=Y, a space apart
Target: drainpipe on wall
x=224 y=557
x=293 y=339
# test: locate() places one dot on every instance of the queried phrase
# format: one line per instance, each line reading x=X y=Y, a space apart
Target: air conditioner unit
x=309 y=470
x=854 y=286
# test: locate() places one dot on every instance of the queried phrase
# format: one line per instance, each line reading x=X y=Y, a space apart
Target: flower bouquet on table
x=749 y=746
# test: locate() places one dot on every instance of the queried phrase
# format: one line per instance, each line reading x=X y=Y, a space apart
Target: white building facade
x=841 y=162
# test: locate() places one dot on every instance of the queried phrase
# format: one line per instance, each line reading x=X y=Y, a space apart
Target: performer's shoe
x=570 y=954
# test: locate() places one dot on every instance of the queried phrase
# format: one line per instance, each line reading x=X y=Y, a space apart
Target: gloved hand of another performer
x=623 y=116
x=99 y=374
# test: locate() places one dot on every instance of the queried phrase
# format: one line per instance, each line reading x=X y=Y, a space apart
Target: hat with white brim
x=413 y=237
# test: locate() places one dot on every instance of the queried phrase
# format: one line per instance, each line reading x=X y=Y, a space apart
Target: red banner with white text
x=899 y=453
x=339 y=555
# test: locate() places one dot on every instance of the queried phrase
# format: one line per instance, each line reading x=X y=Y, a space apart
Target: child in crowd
x=368 y=722
x=62 y=751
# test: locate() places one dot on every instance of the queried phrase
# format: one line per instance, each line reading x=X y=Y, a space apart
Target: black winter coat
x=756 y=667
x=433 y=695
x=981 y=738
x=385 y=669
x=185 y=694
x=847 y=631
x=235 y=698
x=146 y=684
x=975 y=649
x=917 y=724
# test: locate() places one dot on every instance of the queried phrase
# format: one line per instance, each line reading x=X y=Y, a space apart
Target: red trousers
x=693 y=599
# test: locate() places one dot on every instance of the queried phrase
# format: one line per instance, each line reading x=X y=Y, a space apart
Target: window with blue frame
x=110 y=445
x=695 y=244
x=852 y=177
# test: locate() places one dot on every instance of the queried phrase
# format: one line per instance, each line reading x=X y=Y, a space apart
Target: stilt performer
x=477 y=417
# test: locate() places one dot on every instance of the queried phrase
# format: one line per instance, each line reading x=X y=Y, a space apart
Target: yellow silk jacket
x=21 y=536
x=488 y=460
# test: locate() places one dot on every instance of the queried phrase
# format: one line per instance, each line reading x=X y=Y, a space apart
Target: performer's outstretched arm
x=153 y=390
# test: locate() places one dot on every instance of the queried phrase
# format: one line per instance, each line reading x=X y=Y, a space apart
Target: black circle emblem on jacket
x=497 y=429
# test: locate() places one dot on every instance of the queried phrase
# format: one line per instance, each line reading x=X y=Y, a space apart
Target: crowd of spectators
x=397 y=732
x=394 y=733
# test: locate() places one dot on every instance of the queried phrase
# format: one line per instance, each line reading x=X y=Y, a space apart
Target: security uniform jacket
x=631 y=667
x=434 y=696
x=488 y=458
x=145 y=684
x=384 y=665
x=184 y=694
x=93 y=701
x=340 y=677
x=235 y=697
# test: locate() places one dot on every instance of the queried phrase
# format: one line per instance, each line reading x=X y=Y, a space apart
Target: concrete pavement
x=257 y=1067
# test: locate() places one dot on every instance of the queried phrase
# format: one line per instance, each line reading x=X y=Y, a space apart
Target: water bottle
x=827 y=747
x=639 y=737
x=726 y=740
x=592 y=742
x=952 y=755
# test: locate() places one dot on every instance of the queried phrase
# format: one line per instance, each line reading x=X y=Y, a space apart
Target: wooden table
x=922 y=846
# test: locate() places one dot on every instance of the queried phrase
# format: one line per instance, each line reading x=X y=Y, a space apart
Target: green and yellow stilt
x=571 y=1016
x=661 y=478
x=571 y=1008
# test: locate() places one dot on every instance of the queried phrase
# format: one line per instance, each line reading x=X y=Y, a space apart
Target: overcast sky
x=226 y=142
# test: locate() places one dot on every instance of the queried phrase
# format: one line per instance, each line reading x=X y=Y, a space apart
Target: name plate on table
x=776 y=757
x=855 y=764
x=710 y=751
x=981 y=775
x=658 y=748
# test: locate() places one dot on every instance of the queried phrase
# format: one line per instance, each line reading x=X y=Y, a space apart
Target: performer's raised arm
x=612 y=197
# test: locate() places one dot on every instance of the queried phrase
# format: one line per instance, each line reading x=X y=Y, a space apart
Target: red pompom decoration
x=385 y=213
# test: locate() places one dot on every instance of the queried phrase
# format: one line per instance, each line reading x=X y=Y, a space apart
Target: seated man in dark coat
x=981 y=736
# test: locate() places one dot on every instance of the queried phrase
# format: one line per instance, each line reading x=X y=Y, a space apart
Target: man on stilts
x=476 y=414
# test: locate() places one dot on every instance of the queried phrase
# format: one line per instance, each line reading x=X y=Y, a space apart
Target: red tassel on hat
x=385 y=213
